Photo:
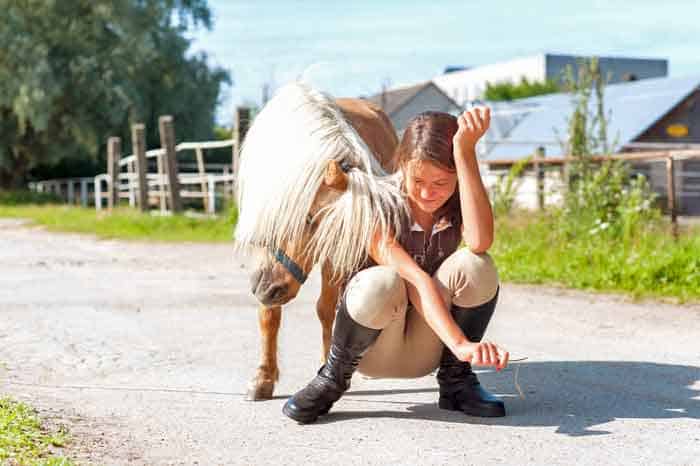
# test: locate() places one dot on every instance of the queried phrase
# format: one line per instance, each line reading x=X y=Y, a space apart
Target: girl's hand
x=473 y=124
x=483 y=354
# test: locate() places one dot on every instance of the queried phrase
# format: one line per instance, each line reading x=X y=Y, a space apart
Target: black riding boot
x=349 y=342
x=460 y=390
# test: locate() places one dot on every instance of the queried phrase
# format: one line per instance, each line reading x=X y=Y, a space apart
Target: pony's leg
x=325 y=309
x=263 y=384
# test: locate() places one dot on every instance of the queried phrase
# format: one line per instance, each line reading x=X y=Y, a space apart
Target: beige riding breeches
x=407 y=347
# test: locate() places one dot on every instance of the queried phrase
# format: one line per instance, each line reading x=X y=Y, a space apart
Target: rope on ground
x=516 y=372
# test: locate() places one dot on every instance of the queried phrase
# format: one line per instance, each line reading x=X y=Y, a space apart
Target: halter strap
x=291 y=266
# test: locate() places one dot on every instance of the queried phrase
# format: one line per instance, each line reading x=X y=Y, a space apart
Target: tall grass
x=534 y=248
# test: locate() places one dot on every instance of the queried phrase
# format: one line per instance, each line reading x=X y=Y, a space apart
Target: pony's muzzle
x=266 y=291
x=255 y=280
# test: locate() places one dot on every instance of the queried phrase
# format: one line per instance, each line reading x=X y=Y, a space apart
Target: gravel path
x=144 y=351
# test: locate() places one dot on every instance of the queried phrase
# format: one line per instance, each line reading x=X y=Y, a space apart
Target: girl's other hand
x=473 y=123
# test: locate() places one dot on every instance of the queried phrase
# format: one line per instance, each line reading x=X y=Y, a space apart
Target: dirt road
x=144 y=350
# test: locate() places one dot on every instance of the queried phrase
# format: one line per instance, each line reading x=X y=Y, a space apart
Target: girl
x=426 y=303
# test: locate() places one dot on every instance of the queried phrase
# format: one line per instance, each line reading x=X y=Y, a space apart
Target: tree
x=511 y=91
x=73 y=72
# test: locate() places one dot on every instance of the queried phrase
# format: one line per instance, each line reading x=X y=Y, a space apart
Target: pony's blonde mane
x=283 y=163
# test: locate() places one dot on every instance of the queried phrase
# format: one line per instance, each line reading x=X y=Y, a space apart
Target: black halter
x=291 y=266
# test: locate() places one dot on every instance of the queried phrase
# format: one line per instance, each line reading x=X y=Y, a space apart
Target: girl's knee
x=376 y=296
x=472 y=279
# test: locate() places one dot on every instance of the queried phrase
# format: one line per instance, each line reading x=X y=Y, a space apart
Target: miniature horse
x=330 y=194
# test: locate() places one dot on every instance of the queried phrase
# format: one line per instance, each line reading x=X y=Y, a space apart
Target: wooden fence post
x=539 y=170
x=242 y=123
x=167 y=142
x=71 y=192
x=211 y=193
x=113 y=155
x=83 y=192
x=240 y=126
x=138 y=142
x=671 y=193
x=202 y=177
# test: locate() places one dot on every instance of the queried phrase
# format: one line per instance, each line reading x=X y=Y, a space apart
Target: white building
x=650 y=114
x=469 y=84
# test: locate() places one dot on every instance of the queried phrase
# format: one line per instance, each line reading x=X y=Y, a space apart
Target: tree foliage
x=511 y=91
x=73 y=72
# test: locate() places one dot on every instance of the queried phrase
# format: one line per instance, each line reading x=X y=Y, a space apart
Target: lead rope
x=516 y=373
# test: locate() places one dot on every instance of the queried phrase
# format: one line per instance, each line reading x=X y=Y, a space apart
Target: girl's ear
x=335 y=177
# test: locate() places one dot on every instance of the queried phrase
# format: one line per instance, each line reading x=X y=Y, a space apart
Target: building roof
x=393 y=100
x=518 y=128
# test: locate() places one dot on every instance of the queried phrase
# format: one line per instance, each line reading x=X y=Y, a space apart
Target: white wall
x=467 y=85
x=526 y=193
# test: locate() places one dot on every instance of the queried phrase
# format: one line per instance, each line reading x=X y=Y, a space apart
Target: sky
x=352 y=48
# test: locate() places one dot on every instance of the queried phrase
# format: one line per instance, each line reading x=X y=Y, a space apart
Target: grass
x=125 y=223
x=14 y=198
x=23 y=441
x=531 y=249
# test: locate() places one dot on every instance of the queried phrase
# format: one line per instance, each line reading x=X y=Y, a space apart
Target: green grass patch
x=15 y=198
x=125 y=223
x=533 y=249
x=23 y=441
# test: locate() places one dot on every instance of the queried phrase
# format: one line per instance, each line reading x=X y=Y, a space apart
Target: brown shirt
x=430 y=249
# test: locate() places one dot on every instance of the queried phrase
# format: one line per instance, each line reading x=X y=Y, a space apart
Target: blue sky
x=355 y=46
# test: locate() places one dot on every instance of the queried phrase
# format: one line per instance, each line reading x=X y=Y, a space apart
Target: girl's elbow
x=479 y=245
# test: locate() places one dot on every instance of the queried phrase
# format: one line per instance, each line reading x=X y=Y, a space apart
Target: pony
x=315 y=185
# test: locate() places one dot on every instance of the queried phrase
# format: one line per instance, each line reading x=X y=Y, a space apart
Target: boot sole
x=294 y=415
x=476 y=411
x=301 y=419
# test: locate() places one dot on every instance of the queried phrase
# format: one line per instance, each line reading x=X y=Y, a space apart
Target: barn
x=403 y=103
x=649 y=114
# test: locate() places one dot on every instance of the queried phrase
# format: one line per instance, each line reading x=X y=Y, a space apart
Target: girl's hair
x=428 y=138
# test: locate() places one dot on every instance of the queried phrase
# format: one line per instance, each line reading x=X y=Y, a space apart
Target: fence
x=128 y=178
x=203 y=184
x=70 y=189
x=674 y=174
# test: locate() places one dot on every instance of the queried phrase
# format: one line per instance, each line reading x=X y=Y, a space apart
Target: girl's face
x=428 y=185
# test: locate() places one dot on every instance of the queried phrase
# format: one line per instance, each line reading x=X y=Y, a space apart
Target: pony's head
x=309 y=191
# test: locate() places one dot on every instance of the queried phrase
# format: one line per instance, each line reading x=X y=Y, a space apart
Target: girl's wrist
x=465 y=153
x=460 y=346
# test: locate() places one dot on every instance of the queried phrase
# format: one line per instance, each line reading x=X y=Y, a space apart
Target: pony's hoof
x=259 y=391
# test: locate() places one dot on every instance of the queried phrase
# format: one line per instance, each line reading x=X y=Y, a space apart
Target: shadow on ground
x=573 y=396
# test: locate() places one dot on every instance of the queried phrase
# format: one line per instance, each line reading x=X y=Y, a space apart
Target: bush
x=14 y=198
x=504 y=191
x=530 y=248
x=607 y=202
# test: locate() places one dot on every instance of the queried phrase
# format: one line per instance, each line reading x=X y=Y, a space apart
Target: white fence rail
x=73 y=190
x=217 y=187
x=210 y=182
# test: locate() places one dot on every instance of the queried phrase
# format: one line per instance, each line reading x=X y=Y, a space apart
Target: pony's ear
x=335 y=177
